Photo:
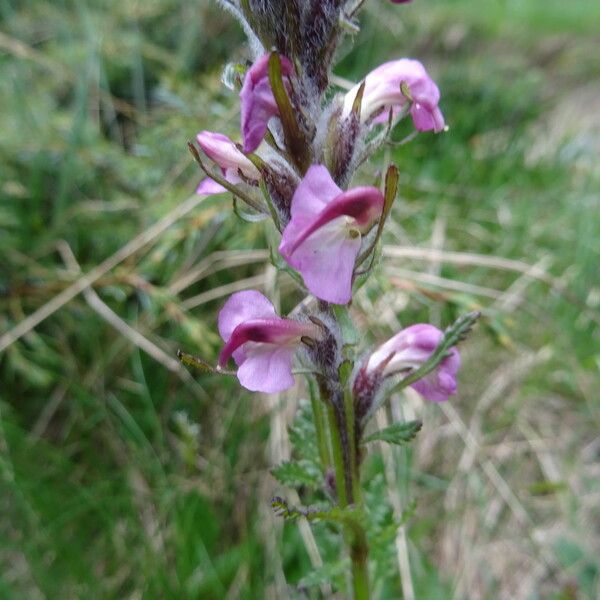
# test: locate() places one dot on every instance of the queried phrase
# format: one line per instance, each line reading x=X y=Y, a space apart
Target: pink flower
x=400 y=1
x=382 y=91
x=257 y=101
x=261 y=343
x=407 y=351
x=323 y=237
x=222 y=151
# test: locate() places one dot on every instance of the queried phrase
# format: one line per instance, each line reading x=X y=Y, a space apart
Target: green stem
x=359 y=554
x=349 y=492
x=337 y=452
x=359 y=548
x=320 y=426
x=352 y=450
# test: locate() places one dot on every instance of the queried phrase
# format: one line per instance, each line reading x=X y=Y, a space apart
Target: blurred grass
x=122 y=478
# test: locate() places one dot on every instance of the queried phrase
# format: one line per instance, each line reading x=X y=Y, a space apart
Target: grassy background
x=123 y=476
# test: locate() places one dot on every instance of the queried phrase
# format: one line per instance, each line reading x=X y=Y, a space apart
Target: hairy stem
x=337 y=452
x=320 y=418
x=341 y=424
x=352 y=446
x=359 y=555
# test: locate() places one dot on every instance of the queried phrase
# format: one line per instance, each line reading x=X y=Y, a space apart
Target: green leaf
x=387 y=533
x=297 y=473
x=397 y=433
x=351 y=516
x=326 y=573
x=391 y=189
x=547 y=488
x=362 y=276
x=406 y=91
x=303 y=435
x=356 y=105
x=294 y=140
x=267 y=196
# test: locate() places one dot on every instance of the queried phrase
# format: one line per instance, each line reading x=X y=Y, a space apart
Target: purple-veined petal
x=274 y=331
x=266 y=368
x=363 y=205
x=322 y=239
x=409 y=348
x=314 y=192
x=326 y=261
x=243 y=306
x=440 y=383
x=209 y=186
x=262 y=343
x=426 y=119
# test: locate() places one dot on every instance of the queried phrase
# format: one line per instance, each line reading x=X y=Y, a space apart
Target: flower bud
x=281 y=182
x=319 y=33
x=258 y=103
x=340 y=145
x=222 y=151
x=233 y=164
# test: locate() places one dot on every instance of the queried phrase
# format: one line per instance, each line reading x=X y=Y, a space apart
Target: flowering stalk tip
x=329 y=234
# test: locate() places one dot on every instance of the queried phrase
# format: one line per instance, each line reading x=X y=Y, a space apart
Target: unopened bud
x=341 y=144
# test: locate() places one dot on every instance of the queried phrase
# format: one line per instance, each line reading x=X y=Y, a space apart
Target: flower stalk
x=294 y=167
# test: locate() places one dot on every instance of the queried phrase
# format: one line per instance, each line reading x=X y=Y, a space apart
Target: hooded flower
x=408 y=350
x=257 y=101
x=383 y=91
x=223 y=152
x=323 y=237
x=261 y=343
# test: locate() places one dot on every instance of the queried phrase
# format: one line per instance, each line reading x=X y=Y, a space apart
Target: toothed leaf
x=397 y=433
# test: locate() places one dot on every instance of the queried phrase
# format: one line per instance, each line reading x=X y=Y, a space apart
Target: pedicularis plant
x=301 y=145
